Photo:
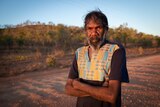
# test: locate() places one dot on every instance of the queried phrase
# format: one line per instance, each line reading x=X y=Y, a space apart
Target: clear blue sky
x=143 y=15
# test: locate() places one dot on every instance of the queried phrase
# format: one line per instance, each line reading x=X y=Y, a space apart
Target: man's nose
x=94 y=32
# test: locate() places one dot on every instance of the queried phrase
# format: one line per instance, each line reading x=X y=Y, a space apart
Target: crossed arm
x=108 y=94
x=105 y=93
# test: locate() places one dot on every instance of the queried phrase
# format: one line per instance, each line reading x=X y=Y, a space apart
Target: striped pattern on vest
x=98 y=68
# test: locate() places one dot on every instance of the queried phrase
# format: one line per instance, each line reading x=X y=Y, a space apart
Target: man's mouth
x=94 y=41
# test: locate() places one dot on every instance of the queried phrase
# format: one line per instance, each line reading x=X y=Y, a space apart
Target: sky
x=143 y=15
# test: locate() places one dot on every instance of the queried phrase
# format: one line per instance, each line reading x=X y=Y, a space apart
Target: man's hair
x=97 y=16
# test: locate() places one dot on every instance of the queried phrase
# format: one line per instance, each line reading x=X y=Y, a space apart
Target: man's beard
x=95 y=41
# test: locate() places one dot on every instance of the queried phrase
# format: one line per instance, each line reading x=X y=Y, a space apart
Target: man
x=99 y=68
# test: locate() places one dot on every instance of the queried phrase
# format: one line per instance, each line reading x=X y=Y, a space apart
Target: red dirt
x=46 y=88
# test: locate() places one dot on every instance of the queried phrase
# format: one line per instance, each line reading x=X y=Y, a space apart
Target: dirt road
x=46 y=88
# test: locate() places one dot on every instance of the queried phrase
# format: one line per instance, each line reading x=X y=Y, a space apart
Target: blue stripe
x=111 y=48
x=105 y=55
x=86 y=56
x=101 y=76
x=84 y=73
x=76 y=55
x=77 y=52
x=88 y=64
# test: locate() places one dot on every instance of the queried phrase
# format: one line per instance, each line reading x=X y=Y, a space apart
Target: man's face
x=95 y=32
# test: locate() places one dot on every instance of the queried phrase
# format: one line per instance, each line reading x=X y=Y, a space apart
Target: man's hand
x=107 y=94
x=106 y=83
x=71 y=88
x=76 y=83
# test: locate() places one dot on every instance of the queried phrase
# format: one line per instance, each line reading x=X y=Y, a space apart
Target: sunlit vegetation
x=41 y=36
x=129 y=37
x=33 y=35
x=34 y=45
x=51 y=60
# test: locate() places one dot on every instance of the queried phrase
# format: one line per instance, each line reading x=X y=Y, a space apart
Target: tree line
x=30 y=35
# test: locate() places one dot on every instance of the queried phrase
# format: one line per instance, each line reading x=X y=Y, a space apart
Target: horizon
x=140 y=15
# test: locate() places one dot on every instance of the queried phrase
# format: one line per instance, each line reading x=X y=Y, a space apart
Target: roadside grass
x=17 y=63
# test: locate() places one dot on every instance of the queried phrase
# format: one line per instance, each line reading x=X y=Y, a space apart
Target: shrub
x=20 y=41
x=141 y=50
x=59 y=53
x=21 y=58
x=51 y=60
x=37 y=55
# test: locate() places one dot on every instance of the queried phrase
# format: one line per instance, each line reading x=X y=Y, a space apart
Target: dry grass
x=13 y=64
x=139 y=51
x=58 y=53
x=51 y=60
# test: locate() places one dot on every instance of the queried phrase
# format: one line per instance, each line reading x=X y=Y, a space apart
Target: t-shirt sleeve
x=118 y=66
x=73 y=73
x=116 y=63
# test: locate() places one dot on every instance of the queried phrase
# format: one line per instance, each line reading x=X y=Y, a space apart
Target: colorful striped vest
x=98 y=68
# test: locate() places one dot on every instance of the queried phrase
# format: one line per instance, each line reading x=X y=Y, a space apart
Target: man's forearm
x=74 y=92
x=100 y=93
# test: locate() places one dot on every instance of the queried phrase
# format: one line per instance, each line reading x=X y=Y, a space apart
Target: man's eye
x=89 y=28
x=98 y=28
